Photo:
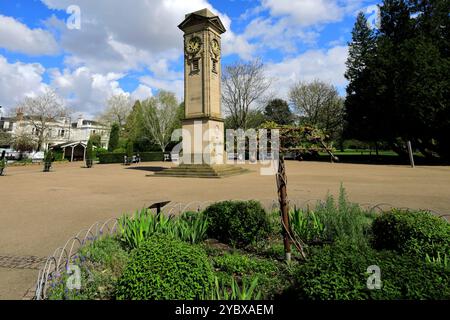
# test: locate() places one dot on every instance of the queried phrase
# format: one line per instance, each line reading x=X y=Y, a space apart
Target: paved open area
x=40 y=211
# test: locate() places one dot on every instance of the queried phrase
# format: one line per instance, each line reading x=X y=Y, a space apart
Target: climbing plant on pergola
x=301 y=141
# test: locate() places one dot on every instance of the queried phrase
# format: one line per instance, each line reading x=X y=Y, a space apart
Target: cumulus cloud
x=118 y=36
x=325 y=65
x=311 y=12
x=17 y=37
x=176 y=86
x=279 y=34
x=19 y=80
x=85 y=91
x=142 y=92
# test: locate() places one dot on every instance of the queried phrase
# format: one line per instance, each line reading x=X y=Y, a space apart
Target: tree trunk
x=284 y=207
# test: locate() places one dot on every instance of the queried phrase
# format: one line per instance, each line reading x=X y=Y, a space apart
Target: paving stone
x=22 y=262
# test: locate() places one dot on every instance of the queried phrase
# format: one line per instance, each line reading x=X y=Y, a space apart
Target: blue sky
x=134 y=47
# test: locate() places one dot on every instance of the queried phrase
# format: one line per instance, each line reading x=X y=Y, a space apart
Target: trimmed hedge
x=238 y=223
x=416 y=233
x=164 y=268
x=339 y=272
x=111 y=157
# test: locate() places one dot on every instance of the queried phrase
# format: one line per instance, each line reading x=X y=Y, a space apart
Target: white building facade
x=59 y=133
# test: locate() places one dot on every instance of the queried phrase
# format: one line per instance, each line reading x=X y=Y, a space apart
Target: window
x=62 y=133
x=195 y=67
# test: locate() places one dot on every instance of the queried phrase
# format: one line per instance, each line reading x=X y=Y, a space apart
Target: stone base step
x=201 y=171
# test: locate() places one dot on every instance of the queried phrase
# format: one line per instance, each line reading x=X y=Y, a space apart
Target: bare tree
x=319 y=104
x=41 y=112
x=243 y=86
x=118 y=108
x=160 y=114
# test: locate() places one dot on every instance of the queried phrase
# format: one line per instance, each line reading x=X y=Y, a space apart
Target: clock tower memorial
x=203 y=126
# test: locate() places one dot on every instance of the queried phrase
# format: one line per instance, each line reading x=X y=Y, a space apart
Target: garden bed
x=234 y=250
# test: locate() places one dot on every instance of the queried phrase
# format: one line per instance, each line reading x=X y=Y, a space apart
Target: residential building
x=61 y=133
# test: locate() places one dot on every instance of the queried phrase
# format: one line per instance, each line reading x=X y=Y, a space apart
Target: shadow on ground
x=150 y=169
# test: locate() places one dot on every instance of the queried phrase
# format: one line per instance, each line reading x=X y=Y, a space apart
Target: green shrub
x=134 y=231
x=231 y=290
x=151 y=156
x=240 y=264
x=112 y=157
x=164 y=268
x=192 y=227
x=101 y=151
x=439 y=261
x=114 y=137
x=307 y=225
x=129 y=149
x=101 y=264
x=418 y=233
x=238 y=223
x=340 y=220
x=339 y=272
x=273 y=277
x=107 y=252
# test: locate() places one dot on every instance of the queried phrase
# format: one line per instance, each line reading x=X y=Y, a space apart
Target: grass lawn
x=365 y=156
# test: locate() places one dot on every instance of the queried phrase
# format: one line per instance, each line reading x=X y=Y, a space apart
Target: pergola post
x=71 y=158
x=84 y=155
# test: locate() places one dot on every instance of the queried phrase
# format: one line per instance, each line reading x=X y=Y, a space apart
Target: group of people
x=134 y=159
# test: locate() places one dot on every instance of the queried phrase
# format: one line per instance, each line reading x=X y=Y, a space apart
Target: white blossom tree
x=160 y=115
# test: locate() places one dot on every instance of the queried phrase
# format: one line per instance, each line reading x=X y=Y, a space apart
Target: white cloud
x=17 y=37
x=19 y=80
x=176 y=85
x=119 y=35
x=311 y=12
x=84 y=90
x=142 y=92
x=328 y=66
x=279 y=34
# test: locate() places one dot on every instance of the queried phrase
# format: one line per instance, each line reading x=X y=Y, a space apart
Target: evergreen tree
x=130 y=149
x=399 y=78
x=362 y=119
x=114 y=137
x=277 y=110
x=90 y=152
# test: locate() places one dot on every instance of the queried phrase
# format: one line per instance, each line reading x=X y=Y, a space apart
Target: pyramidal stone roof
x=204 y=13
x=202 y=16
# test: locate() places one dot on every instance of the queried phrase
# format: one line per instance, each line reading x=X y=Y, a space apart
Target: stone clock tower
x=203 y=136
x=203 y=127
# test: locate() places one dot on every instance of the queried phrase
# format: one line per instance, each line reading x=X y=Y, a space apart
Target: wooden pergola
x=72 y=146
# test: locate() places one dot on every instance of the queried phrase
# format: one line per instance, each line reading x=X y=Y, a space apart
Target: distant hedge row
x=118 y=157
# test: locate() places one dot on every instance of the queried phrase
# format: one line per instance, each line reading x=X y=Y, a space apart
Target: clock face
x=193 y=46
x=215 y=46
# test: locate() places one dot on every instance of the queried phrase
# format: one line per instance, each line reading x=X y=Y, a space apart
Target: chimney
x=80 y=121
x=19 y=114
